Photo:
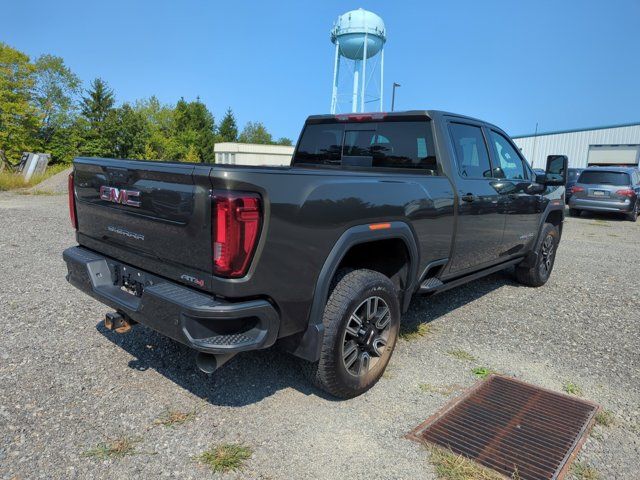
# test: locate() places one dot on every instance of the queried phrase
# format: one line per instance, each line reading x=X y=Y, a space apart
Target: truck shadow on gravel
x=252 y=376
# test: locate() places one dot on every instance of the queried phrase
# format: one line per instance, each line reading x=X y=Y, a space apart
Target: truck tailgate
x=147 y=213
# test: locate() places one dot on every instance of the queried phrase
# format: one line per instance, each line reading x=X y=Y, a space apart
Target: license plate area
x=131 y=280
x=599 y=193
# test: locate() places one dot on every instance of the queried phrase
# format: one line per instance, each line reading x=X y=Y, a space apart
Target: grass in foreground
x=226 y=457
x=172 y=418
x=605 y=418
x=414 y=332
x=12 y=181
x=584 y=472
x=572 y=389
x=118 y=448
x=450 y=466
x=442 y=390
x=482 y=372
x=461 y=354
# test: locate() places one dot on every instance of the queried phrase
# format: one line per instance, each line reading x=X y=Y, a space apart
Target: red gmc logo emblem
x=121 y=196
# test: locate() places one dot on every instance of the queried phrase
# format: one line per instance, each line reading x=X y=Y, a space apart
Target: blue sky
x=564 y=64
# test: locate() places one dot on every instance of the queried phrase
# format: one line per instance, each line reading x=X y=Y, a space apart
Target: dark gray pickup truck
x=323 y=256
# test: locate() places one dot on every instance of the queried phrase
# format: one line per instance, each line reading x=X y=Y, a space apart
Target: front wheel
x=538 y=274
x=361 y=321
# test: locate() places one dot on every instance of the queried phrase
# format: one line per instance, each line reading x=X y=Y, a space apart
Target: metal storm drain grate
x=512 y=427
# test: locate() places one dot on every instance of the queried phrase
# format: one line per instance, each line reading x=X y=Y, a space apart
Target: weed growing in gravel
x=414 y=332
x=605 y=418
x=120 y=447
x=442 y=390
x=171 y=418
x=461 y=354
x=450 y=466
x=227 y=457
x=482 y=372
x=572 y=389
x=584 y=472
x=600 y=223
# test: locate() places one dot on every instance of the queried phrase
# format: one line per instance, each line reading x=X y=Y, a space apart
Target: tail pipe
x=209 y=363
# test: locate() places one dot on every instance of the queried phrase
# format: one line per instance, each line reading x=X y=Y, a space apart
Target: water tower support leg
x=354 y=103
x=336 y=73
x=382 y=79
x=364 y=72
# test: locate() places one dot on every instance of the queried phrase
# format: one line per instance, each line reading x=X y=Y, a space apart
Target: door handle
x=469 y=197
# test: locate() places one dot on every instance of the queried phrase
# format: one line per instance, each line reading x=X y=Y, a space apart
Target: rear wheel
x=633 y=214
x=574 y=212
x=361 y=321
x=538 y=274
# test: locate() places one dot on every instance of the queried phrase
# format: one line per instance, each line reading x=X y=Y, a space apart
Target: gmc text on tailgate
x=323 y=256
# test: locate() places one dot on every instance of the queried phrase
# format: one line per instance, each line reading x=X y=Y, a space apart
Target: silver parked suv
x=607 y=189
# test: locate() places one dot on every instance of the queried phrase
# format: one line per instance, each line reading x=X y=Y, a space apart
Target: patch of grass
x=118 y=448
x=442 y=390
x=227 y=457
x=584 y=472
x=600 y=223
x=450 y=466
x=482 y=372
x=14 y=181
x=605 y=418
x=172 y=418
x=461 y=355
x=414 y=332
x=572 y=389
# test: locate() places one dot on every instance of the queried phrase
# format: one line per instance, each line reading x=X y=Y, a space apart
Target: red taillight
x=236 y=225
x=72 y=202
x=576 y=189
x=626 y=192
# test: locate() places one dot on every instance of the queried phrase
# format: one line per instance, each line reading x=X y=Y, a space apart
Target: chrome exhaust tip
x=209 y=363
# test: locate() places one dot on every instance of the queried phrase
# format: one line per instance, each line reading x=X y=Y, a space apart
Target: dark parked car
x=322 y=256
x=572 y=178
x=607 y=189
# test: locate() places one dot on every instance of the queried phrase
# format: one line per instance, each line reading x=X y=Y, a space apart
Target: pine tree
x=98 y=102
x=228 y=129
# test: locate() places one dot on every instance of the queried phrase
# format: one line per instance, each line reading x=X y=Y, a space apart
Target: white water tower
x=359 y=35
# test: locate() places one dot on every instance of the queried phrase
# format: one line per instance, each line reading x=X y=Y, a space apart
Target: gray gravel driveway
x=68 y=385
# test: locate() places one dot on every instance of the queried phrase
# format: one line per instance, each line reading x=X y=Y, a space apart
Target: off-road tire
x=574 y=212
x=352 y=288
x=538 y=274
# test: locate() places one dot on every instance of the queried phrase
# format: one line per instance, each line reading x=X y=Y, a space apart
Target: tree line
x=44 y=108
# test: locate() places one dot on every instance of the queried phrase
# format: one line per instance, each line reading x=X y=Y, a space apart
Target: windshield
x=593 y=177
x=387 y=144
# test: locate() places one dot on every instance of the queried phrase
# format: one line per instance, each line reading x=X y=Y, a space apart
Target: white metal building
x=231 y=153
x=612 y=145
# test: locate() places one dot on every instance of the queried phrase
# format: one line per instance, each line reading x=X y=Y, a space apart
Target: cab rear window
x=388 y=144
x=604 y=178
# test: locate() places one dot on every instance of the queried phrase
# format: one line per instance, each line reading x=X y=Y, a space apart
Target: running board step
x=431 y=284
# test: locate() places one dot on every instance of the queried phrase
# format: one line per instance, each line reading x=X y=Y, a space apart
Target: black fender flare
x=553 y=206
x=310 y=344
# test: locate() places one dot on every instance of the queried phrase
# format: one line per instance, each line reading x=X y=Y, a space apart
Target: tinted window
x=573 y=174
x=592 y=177
x=471 y=151
x=320 y=144
x=509 y=163
x=378 y=144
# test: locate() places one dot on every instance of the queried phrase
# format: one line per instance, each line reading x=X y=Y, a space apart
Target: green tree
x=195 y=127
x=284 y=141
x=98 y=101
x=161 y=143
x=19 y=119
x=228 y=129
x=125 y=132
x=255 y=132
x=55 y=94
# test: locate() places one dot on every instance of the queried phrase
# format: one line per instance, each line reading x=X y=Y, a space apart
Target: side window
x=510 y=164
x=471 y=151
x=321 y=144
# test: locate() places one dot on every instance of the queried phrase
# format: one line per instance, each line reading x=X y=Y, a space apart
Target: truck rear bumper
x=196 y=319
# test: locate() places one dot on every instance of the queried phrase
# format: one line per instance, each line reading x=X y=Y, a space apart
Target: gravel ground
x=66 y=384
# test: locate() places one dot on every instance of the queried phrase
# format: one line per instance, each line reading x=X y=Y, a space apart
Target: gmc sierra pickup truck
x=322 y=256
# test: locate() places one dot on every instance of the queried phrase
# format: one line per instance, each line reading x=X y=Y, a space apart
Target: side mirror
x=556 y=171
